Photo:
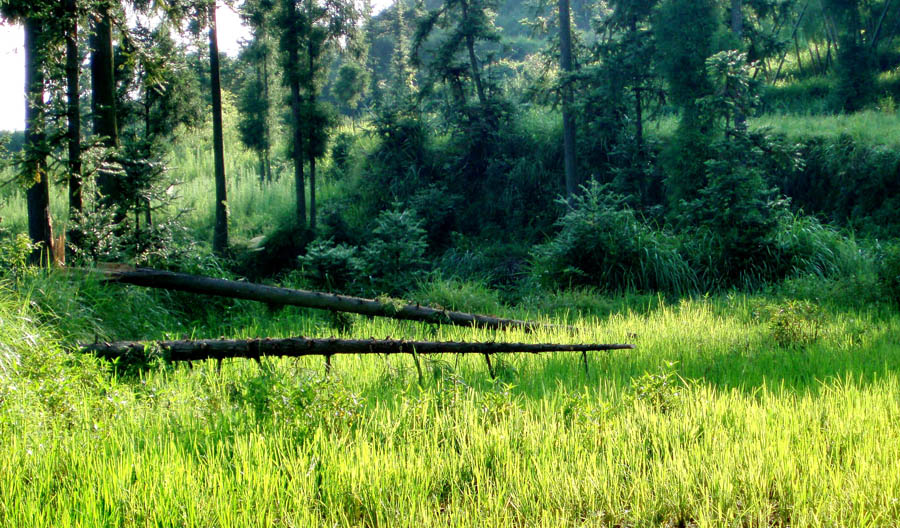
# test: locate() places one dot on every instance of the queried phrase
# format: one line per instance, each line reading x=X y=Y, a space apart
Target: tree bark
x=40 y=227
x=300 y=346
x=220 y=231
x=103 y=97
x=73 y=111
x=324 y=301
x=565 y=64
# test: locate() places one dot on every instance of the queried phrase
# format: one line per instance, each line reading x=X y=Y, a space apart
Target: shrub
x=796 y=324
x=14 y=253
x=603 y=243
x=395 y=256
x=889 y=272
x=330 y=266
x=662 y=391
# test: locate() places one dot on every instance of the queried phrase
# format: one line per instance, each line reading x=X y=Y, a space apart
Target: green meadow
x=733 y=410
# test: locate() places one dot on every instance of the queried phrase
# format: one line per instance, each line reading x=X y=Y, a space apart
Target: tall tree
x=290 y=25
x=311 y=29
x=254 y=100
x=73 y=109
x=220 y=230
x=686 y=36
x=103 y=95
x=565 y=66
x=40 y=226
x=34 y=16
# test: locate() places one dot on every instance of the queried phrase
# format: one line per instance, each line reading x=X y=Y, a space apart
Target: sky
x=12 y=61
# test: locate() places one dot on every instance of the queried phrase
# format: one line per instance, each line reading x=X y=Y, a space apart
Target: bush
x=889 y=272
x=796 y=324
x=807 y=247
x=331 y=267
x=603 y=243
x=395 y=256
x=14 y=253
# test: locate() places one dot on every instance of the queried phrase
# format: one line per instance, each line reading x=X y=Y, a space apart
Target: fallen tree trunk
x=326 y=301
x=300 y=346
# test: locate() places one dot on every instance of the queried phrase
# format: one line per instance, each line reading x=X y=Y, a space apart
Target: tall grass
x=714 y=420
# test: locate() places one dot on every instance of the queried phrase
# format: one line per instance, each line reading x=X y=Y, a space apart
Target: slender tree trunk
x=103 y=98
x=76 y=201
x=473 y=59
x=312 y=155
x=292 y=73
x=312 y=192
x=220 y=231
x=297 y=150
x=565 y=64
x=266 y=131
x=40 y=227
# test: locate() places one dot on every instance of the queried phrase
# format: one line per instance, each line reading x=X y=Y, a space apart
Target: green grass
x=872 y=127
x=733 y=411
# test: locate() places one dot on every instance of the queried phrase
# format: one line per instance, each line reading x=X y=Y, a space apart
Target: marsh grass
x=710 y=422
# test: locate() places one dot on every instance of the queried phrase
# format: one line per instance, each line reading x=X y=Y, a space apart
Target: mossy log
x=197 y=350
x=392 y=308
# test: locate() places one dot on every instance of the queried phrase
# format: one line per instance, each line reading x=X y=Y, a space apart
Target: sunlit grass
x=709 y=421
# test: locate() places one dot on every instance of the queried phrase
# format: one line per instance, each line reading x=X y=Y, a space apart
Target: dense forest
x=447 y=135
x=716 y=182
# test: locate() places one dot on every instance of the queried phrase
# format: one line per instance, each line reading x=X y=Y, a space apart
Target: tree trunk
x=311 y=94
x=220 y=231
x=300 y=346
x=297 y=150
x=103 y=98
x=266 y=131
x=312 y=192
x=324 y=301
x=40 y=227
x=73 y=111
x=565 y=64
x=473 y=59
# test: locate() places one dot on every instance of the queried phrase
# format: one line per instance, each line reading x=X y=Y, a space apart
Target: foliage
x=738 y=209
x=14 y=256
x=331 y=267
x=661 y=391
x=394 y=257
x=889 y=272
x=796 y=324
x=602 y=242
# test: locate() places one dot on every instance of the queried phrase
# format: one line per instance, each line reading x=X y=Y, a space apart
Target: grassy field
x=732 y=411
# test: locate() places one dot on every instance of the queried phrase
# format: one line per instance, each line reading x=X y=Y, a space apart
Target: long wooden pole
x=325 y=301
x=187 y=350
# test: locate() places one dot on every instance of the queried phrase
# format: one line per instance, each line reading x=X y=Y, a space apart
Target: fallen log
x=392 y=308
x=197 y=350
